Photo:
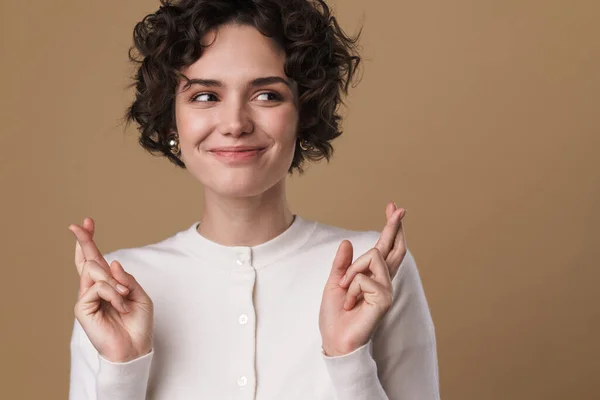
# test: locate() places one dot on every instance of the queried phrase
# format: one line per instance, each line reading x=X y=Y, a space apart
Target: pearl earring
x=174 y=147
x=305 y=145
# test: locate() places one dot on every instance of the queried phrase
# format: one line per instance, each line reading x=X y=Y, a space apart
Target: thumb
x=341 y=262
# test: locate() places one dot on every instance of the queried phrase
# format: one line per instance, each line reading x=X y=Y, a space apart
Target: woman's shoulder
x=362 y=240
x=169 y=246
x=334 y=234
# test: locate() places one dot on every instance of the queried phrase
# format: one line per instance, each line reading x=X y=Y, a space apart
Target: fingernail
x=343 y=281
x=126 y=307
x=395 y=205
x=122 y=289
x=347 y=304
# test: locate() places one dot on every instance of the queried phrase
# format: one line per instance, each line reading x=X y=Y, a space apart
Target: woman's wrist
x=127 y=357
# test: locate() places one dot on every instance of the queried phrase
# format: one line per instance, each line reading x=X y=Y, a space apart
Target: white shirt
x=237 y=322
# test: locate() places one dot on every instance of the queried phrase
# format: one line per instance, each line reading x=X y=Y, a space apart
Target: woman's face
x=240 y=97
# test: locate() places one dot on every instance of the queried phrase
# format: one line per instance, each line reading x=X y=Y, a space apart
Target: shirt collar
x=285 y=244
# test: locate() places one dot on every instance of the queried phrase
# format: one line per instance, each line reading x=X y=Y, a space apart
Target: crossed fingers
x=381 y=263
x=392 y=241
x=91 y=265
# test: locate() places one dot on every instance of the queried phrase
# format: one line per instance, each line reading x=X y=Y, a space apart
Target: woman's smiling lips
x=237 y=153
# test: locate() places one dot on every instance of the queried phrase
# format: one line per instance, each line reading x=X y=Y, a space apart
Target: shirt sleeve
x=400 y=360
x=354 y=375
x=92 y=377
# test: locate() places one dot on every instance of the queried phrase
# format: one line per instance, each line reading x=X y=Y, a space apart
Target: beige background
x=479 y=117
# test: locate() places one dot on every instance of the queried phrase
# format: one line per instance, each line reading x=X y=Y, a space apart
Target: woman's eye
x=268 y=96
x=204 y=97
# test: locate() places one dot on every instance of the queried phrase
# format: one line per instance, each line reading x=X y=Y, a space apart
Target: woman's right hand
x=113 y=309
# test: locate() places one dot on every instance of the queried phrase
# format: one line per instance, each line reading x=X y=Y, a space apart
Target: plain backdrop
x=480 y=117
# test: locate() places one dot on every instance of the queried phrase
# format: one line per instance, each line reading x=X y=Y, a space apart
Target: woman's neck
x=245 y=221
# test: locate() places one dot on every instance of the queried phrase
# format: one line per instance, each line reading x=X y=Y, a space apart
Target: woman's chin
x=237 y=188
x=243 y=186
x=239 y=182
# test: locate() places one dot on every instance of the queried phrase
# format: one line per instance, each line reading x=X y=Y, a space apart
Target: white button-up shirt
x=235 y=322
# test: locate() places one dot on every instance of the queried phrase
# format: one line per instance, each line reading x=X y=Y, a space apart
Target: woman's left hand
x=357 y=295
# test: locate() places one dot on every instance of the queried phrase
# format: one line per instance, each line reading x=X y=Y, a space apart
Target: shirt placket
x=244 y=364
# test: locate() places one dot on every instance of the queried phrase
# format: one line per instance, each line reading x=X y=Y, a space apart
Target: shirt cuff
x=354 y=375
x=123 y=381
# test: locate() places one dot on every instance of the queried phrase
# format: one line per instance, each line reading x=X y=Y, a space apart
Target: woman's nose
x=235 y=119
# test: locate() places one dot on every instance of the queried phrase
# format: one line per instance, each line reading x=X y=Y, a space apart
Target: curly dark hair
x=320 y=58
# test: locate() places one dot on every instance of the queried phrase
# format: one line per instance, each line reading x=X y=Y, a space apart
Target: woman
x=252 y=301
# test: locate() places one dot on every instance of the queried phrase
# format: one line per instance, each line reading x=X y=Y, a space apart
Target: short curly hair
x=320 y=58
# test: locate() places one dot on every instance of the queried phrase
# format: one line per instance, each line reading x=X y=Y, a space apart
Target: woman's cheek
x=282 y=122
x=195 y=127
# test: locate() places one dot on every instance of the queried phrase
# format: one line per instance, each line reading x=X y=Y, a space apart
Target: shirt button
x=239 y=261
x=243 y=319
x=243 y=381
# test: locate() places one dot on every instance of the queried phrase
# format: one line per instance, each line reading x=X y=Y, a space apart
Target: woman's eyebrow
x=266 y=80
x=204 y=82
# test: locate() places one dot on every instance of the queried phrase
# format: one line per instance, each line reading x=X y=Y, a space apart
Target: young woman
x=251 y=301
